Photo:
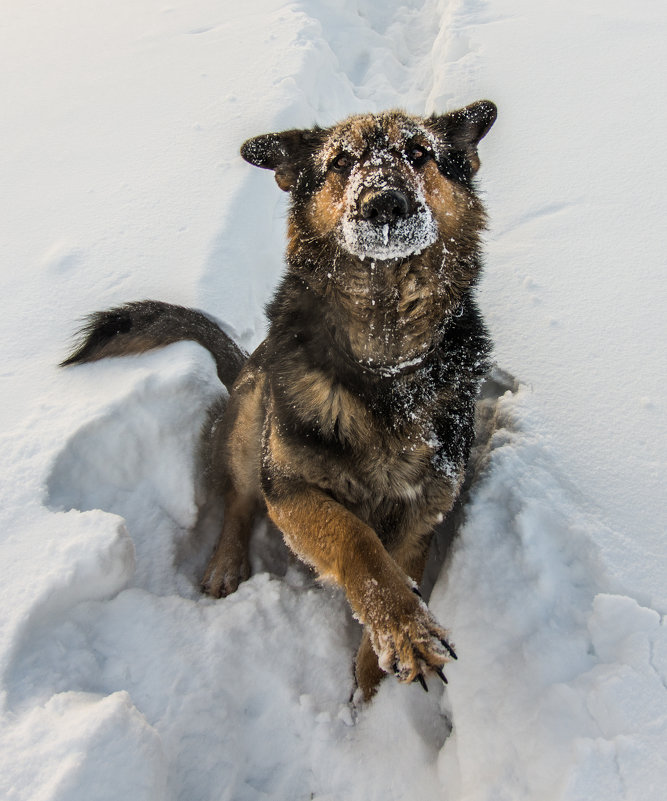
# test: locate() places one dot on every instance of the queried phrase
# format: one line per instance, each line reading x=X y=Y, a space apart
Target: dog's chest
x=367 y=452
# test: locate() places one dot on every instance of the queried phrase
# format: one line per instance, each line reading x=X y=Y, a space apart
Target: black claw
x=416 y=592
x=449 y=648
x=422 y=681
x=442 y=675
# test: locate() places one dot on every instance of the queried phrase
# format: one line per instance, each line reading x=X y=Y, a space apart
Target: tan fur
x=327 y=206
x=237 y=440
x=344 y=550
x=448 y=202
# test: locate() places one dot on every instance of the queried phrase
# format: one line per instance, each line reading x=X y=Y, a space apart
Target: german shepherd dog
x=352 y=422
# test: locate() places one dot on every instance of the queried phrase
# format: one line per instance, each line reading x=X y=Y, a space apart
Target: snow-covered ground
x=121 y=179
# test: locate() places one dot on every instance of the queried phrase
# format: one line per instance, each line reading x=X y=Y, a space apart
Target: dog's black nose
x=385 y=206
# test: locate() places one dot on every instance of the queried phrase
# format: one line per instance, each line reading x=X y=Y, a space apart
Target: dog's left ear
x=284 y=153
x=463 y=129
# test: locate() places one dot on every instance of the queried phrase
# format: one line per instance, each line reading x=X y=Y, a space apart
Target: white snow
x=121 y=126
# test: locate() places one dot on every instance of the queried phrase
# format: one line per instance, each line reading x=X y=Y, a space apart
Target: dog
x=352 y=422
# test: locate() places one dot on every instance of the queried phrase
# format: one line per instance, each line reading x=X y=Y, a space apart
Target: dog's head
x=383 y=186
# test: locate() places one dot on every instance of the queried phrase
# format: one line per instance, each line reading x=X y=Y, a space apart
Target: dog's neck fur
x=388 y=315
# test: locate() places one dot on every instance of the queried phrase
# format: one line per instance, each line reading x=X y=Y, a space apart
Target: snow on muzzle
x=385 y=220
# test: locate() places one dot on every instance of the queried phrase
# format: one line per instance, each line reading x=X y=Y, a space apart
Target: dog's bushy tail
x=147 y=324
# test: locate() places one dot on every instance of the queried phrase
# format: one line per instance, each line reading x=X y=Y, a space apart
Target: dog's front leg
x=324 y=534
x=411 y=557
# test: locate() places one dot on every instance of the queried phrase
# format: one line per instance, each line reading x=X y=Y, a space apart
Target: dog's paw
x=412 y=644
x=223 y=575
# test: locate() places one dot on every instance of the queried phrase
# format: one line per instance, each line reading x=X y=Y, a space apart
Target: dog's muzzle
x=385 y=222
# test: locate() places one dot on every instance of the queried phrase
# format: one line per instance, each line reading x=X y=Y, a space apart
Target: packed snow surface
x=121 y=126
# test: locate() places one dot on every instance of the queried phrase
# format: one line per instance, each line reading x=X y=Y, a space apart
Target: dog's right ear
x=285 y=153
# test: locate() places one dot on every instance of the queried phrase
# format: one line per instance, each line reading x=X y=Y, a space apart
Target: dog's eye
x=417 y=155
x=341 y=163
